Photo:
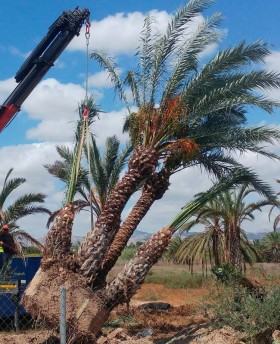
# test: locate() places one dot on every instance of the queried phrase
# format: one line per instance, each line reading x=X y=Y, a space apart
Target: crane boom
x=59 y=35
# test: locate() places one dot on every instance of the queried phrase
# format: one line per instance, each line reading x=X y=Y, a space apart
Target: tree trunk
x=128 y=281
x=234 y=247
x=58 y=241
x=94 y=247
x=88 y=310
x=153 y=190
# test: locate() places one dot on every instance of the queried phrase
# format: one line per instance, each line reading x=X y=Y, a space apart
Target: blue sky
x=48 y=115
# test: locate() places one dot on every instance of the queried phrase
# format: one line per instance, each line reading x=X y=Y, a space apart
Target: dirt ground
x=179 y=325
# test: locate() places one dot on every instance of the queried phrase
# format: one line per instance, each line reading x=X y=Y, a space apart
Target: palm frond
x=187 y=61
x=9 y=186
x=24 y=236
x=108 y=64
x=238 y=177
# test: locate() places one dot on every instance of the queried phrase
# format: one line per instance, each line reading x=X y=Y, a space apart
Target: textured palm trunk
x=153 y=190
x=88 y=310
x=58 y=241
x=216 y=251
x=234 y=248
x=91 y=254
x=127 y=282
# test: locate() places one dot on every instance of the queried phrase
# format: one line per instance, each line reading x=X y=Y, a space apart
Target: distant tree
x=271 y=245
x=224 y=240
x=23 y=206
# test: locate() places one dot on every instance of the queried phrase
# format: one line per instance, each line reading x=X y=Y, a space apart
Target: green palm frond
x=120 y=163
x=21 y=207
x=239 y=176
x=64 y=152
x=9 y=186
x=109 y=65
x=166 y=45
x=131 y=81
x=187 y=61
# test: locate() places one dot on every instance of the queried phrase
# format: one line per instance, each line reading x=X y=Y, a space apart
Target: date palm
x=189 y=113
x=271 y=244
x=223 y=238
x=210 y=246
x=24 y=205
x=104 y=172
x=93 y=185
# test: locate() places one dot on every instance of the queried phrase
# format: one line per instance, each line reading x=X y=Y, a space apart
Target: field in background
x=185 y=292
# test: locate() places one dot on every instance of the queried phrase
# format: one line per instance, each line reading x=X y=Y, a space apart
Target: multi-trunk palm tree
x=189 y=113
x=23 y=206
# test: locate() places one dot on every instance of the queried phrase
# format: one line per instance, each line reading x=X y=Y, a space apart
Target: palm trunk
x=215 y=244
x=127 y=282
x=88 y=310
x=91 y=254
x=153 y=190
x=234 y=247
x=58 y=241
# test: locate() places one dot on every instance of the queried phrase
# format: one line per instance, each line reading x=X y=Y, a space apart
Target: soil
x=179 y=325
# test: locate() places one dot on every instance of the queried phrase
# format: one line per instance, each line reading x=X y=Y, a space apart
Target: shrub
x=235 y=307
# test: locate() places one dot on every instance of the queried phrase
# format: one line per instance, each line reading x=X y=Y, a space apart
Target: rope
x=87 y=35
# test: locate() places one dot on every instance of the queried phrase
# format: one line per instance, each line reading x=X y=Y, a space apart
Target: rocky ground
x=199 y=336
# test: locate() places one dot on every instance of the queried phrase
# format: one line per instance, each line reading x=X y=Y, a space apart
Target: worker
x=7 y=249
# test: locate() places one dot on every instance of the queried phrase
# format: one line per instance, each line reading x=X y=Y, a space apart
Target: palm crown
x=189 y=112
x=21 y=207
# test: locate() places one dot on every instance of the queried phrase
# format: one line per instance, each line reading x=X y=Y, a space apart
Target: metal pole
x=17 y=299
x=62 y=315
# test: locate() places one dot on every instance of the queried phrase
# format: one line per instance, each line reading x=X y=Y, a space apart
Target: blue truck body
x=22 y=271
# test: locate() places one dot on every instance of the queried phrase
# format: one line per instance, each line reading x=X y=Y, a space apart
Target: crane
x=59 y=35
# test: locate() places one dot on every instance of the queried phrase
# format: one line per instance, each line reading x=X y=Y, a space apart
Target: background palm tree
x=223 y=241
x=23 y=206
x=105 y=170
x=271 y=244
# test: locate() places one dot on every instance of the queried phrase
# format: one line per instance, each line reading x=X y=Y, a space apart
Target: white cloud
x=272 y=63
x=6 y=87
x=109 y=124
x=100 y=79
x=119 y=34
x=27 y=161
x=55 y=105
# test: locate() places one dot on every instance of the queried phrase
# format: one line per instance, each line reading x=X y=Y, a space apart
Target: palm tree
x=94 y=184
x=189 y=113
x=223 y=239
x=234 y=211
x=277 y=218
x=23 y=206
x=271 y=243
